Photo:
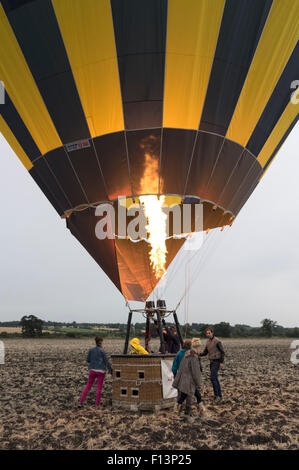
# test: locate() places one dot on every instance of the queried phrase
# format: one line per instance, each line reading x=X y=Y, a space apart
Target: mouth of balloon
x=178 y=206
x=140 y=261
x=166 y=216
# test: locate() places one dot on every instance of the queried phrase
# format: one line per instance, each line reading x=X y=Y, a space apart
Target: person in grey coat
x=188 y=378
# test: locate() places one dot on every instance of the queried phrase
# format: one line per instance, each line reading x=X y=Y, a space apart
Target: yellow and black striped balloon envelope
x=190 y=98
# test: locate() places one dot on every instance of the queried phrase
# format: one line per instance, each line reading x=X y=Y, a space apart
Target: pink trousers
x=91 y=378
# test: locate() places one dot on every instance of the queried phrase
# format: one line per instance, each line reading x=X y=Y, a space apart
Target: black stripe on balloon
x=43 y=176
x=88 y=171
x=177 y=149
x=241 y=27
x=82 y=225
x=36 y=29
x=245 y=188
x=227 y=160
x=61 y=167
x=112 y=153
x=276 y=105
x=140 y=37
x=282 y=140
x=18 y=128
x=231 y=186
x=206 y=151
x=9 y=5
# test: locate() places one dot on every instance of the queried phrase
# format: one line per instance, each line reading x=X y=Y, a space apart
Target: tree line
x=34 y=327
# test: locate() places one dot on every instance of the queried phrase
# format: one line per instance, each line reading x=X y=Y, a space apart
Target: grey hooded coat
x=188 y=377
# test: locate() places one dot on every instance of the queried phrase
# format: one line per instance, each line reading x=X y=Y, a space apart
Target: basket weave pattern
x=137 y=380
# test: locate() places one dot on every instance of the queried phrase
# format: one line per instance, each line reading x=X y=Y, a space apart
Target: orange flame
x=150 y=179
x=156 y=218
x=156 y=228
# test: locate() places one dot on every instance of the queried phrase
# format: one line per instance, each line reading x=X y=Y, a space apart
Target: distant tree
x=292 y=332
x=222 y=329
x=31 y=326
x=186 y=330
x=267 y=327
x=14 y=324
x=278 y=330
x=196 y=326
x=240 y=331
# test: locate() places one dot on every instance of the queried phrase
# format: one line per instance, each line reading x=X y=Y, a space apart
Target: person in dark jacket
x=172 y=339
x=215 y=352
x=164 y=334
x=98 y=365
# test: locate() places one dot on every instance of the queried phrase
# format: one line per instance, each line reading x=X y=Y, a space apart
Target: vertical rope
x=187 y=284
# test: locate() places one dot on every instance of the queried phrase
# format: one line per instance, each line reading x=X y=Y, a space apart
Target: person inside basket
x=170 y=338
x=136 y=347
x=98 y=365
x=173 y=342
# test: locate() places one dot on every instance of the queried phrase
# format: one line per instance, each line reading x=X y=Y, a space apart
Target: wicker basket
x=137 y=382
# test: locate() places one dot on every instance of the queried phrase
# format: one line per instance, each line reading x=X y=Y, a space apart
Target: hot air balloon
x=185 y=99
x=155 y=102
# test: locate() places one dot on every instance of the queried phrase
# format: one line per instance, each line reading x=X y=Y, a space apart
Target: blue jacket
x=97 y=359
x=177 y=361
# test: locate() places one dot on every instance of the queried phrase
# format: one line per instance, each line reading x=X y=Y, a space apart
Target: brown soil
x=42 y=380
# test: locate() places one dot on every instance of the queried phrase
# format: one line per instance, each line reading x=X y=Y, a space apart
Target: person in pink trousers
x=98 y=364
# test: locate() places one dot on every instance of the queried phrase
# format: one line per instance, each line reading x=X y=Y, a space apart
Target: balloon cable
x=203 y=253
x=180 y=259
x=200 y=261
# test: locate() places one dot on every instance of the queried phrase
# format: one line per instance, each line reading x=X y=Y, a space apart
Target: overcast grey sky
x=252 y=270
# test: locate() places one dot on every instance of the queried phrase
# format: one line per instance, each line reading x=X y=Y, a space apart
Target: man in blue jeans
x=215 y=352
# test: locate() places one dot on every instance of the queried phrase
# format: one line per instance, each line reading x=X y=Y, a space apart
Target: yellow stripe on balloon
x=192 y=33
x=23 y=91
x=280 y=35
x=278 y=132
x=87 y=31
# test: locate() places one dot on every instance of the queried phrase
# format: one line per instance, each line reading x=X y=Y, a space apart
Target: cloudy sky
x=246 y=273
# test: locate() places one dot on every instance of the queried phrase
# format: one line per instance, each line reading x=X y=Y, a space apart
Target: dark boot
x=178 y=407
